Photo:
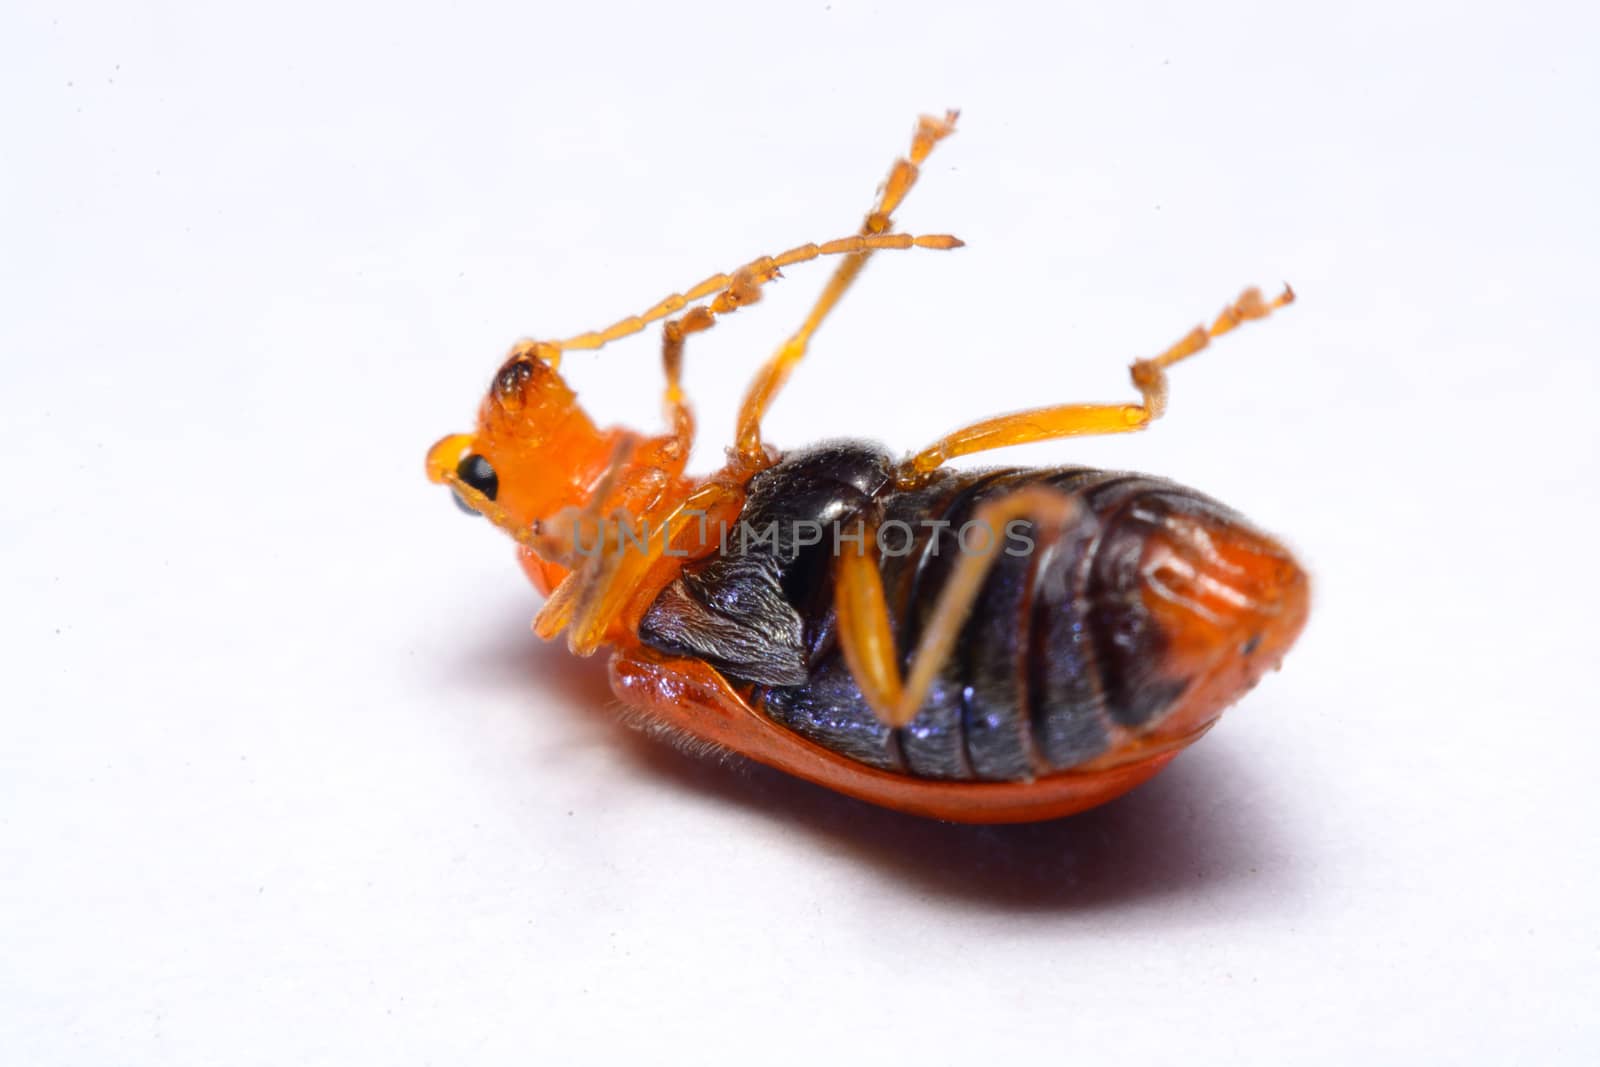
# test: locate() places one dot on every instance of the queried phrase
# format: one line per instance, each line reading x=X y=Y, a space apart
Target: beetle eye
x=475 y=471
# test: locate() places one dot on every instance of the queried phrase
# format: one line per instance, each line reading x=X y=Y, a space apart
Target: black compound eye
x=474 y=470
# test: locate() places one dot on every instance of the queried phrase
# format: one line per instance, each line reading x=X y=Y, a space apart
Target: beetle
x=987 y=646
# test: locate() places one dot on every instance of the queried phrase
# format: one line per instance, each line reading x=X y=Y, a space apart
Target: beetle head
x=534 y=451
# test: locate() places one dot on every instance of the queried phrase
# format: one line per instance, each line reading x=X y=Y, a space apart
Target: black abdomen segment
x=1058 y=648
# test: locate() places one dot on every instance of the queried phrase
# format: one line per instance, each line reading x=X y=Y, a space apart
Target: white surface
x=284 y=778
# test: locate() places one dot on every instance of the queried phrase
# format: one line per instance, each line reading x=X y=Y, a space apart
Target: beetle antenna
x=757 y=272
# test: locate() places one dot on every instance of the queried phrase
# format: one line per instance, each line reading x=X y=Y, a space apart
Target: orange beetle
x=997 y=645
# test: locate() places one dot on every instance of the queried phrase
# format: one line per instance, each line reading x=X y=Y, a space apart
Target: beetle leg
x=744 y=287
x=866 y=634
x=625 y=575
x=615 y=557
x=1072 y=420
x=770 y=378
x=561 y=539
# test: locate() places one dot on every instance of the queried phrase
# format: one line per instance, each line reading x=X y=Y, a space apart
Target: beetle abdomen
x=1081 y=638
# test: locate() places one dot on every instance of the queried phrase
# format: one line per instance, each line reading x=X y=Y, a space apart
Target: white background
x=285 y=779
